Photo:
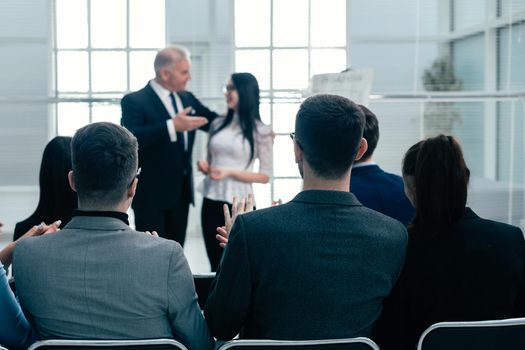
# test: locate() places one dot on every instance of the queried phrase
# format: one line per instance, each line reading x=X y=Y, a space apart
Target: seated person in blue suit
x=374 y=187
x=15 y=332
x=319 y=266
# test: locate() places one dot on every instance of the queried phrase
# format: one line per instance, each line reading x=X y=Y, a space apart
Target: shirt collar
x=327 y=197
x=112 y=214
x=159 y=89
x=362 y=164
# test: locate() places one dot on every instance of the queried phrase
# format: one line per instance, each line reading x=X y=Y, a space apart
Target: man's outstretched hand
x=183 y=122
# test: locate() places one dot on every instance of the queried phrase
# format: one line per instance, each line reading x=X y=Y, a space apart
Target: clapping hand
x=42 y=229
x=239 y=206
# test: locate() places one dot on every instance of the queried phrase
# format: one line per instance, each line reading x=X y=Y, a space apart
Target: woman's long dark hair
x=57 y=199
x=441 y=179
x=248 y=108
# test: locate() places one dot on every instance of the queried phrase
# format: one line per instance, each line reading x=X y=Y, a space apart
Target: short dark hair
x=370 y=132
x=328 y=128
x=105 y=161
x=441 y=179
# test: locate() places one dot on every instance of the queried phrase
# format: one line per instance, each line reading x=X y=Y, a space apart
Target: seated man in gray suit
x=319 y=266
x=97 y=278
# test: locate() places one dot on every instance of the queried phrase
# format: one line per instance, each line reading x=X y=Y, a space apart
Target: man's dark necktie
x=180 y=135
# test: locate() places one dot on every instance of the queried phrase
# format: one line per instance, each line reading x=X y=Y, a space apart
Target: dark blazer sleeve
x=228 y=303
x=135 y=118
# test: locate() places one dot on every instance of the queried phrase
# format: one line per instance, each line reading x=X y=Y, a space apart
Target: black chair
x=147 y=344
x=506 y=334
x=360 y=343
x=202 y=283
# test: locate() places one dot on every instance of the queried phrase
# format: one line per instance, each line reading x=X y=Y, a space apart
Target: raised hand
x=239 y=206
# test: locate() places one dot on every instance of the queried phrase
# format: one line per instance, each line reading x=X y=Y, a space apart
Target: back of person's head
x=105 y=162
x=440 y=178
x=328 y=130
x=57 y=199
x=370 y=133
x=170 y=56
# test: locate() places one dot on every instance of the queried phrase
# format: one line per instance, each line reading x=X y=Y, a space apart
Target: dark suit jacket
x=163 y=162
x=474 y=272
x=382 y=192
x=314 y=268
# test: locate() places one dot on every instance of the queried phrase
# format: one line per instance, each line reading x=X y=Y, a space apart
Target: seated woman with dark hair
x=458 y=266
x=57 y=199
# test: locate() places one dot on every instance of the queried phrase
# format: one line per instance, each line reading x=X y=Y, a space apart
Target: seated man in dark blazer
x=374 y=187
x=319 y=266
x=97 y=278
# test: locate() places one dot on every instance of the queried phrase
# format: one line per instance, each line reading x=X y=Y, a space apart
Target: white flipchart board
x=355 y=84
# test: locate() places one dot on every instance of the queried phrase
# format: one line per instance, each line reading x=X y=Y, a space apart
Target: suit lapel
x=157 y=103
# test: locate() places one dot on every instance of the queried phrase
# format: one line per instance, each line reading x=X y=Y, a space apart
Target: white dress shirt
x=164 y=95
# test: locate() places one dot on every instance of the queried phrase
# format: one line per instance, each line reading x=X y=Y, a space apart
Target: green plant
x=440 y=117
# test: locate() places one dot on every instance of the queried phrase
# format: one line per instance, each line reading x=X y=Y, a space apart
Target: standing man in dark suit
x=163 y=117
x=375 y=188
x=319 y=266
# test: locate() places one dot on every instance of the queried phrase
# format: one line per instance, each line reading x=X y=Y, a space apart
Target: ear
x=298 y=152
x=363 y=146
x=163 y=74
x=132 y=189
x=71 y=179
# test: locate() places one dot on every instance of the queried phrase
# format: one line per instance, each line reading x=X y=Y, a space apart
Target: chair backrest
x=202 y=283
x=506 y=334
x=360 y=343
x=146 y=344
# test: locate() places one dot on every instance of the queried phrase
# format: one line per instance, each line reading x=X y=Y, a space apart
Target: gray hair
x=169 y=56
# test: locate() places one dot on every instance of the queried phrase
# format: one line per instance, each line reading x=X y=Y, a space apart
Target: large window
x=283 y=43
x=103 y=49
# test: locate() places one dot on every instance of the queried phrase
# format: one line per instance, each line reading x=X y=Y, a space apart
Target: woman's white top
x=229 y=149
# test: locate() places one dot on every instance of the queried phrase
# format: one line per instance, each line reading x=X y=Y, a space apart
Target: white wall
x=399 y=40
x=25 y=71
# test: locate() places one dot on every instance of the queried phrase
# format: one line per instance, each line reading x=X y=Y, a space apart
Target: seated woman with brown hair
x=458 y=266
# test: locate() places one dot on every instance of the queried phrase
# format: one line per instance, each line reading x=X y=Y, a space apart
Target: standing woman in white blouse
x=236 y=141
